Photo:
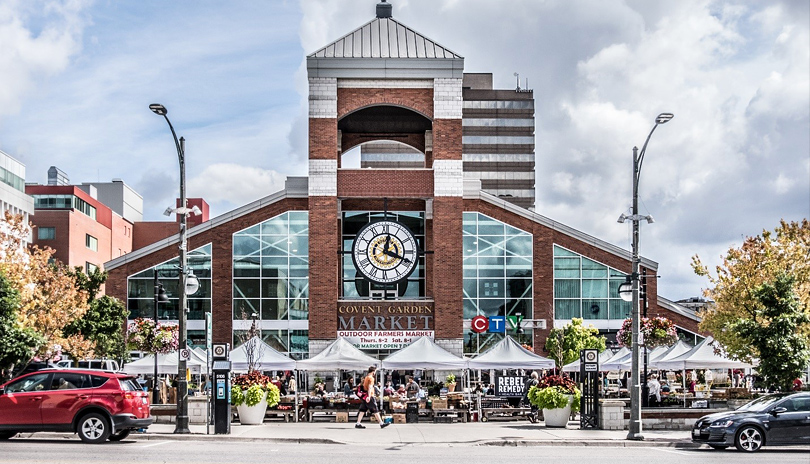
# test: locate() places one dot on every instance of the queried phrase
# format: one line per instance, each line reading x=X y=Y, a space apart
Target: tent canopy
x=424 y=353
x=604 y=356
x=679 y=348
x=167 y=364
x=508 y=354
x=621 y=354
x=702 y=356
x=340 y=354
x=267 y=358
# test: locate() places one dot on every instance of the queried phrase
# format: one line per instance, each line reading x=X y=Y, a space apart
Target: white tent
x=626 y=362
x=267 y=358
x=340 y=354
x=622 y=353
x=508 y=354
x=672 y=352
x=604 y=356
x=167 y=364
x=424 y=353
x=702 y=356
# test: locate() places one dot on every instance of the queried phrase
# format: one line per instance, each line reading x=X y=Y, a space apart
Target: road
x=36 y=451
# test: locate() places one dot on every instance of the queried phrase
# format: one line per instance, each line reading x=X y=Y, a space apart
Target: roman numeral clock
x=385 y=252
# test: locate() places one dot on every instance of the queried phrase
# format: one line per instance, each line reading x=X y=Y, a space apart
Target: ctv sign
x=494 y=324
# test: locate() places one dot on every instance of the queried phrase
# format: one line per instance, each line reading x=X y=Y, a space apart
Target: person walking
x=532 y=381
x=654 y=388
x=369 y=401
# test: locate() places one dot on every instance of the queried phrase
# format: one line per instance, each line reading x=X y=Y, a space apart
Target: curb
x=653 y=443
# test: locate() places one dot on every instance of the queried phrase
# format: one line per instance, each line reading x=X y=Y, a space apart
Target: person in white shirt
x=654 y=390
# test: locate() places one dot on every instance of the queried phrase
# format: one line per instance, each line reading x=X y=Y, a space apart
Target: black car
x=778 y=419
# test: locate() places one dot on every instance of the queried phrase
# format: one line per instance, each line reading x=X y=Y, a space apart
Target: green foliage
x=254 y=394
x=776 y=332
x=17 y=344
x=451 y=378
x=757 y=261
x=565 y=344
x=554 y=398
x=104 y=321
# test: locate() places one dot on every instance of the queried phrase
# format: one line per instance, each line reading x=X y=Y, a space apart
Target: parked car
x=777 y=419
x=103 y=364
x=97 y=405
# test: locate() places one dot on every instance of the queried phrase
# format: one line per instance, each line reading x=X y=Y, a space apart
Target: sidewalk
x=473 y=434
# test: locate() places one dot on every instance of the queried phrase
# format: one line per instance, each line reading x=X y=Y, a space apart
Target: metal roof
x=384 y=38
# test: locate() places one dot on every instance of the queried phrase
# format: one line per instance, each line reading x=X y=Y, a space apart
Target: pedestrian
x=369 y=401
x=532 y=381
x=654 y=390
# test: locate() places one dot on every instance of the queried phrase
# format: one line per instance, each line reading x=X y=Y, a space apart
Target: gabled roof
x=384 y=38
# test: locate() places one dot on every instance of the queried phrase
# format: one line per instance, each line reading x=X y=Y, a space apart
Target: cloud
x=228 y=183
x=37 y=41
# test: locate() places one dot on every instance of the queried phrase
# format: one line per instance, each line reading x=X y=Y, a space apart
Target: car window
x=797 y=404
x=130 y=384
x=761 y=404
x=70 y=381
x=34 y=382
x=98 y=380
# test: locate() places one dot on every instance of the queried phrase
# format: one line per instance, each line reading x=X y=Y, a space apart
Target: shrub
x=249 y=389
x=553 y=392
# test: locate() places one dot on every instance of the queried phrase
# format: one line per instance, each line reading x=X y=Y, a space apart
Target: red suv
x=98 y=405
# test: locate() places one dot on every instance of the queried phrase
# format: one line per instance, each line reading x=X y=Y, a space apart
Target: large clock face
x=385 y=252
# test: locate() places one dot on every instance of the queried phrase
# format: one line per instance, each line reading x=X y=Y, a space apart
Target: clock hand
x=394 y=255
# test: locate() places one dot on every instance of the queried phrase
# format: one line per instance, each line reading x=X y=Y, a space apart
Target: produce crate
x=399 y=418
x=341 y=417
x=439 y=404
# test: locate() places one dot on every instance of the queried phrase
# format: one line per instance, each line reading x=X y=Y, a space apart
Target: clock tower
x=385 y=82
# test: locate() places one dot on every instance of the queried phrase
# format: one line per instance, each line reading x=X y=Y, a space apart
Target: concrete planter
x=252 y=415
x=558 y=417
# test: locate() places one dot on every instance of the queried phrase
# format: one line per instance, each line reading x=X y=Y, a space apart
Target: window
x=585 y=288
x=34 y=382
x=46 y=233
x=90 y=268
x=91 y=242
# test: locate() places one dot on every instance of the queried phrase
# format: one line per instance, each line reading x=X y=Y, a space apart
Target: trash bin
x=412 y=412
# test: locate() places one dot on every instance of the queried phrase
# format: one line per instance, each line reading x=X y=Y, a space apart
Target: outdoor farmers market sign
x=384 y=324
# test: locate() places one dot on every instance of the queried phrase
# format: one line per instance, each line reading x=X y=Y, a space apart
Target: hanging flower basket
x=657 y=331
x=146 y=335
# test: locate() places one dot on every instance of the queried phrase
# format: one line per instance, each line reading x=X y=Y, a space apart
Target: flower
x=146 y=335
x=554 y=392
x=249 y=389
x=657 y=331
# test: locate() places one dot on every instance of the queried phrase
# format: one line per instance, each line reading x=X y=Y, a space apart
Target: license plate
x=143 y=400
x=696 y=432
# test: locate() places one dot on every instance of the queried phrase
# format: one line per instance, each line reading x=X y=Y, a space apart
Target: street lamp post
x=160 y=297
x=182 y=384
x=635 y=391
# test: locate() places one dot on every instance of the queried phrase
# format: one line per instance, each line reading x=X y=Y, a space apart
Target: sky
x=78 y=75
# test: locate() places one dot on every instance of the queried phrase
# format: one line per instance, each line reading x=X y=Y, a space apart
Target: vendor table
x=504 y=413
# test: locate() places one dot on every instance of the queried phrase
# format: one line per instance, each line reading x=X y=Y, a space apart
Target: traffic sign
x=185 y=354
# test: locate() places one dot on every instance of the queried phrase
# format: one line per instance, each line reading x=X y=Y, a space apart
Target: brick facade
x=379 y=183
x=221 y=239
x=352 y=99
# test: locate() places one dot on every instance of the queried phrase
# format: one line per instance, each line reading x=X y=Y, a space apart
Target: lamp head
x=664 y=118
x=649 y=219
x=195 y=211
x=625 y=290
x=158 y=109
x=168 y=211
x=622 y=218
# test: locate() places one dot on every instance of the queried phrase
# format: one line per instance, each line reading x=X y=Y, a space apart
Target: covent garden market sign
x=384 y=325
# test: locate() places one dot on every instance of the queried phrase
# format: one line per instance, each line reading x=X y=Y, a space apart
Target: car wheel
x=718 y=447
x=749 y=439
x=7 y=435
x=120 y=435
x=93 y=428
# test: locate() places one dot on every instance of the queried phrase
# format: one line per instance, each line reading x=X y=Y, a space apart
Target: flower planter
x=252 y=415
x=558 y=417
x=451 y=387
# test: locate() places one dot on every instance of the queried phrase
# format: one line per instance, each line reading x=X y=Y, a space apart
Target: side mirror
x=779 y=410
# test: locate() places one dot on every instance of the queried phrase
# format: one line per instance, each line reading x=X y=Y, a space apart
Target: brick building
x=333 y=253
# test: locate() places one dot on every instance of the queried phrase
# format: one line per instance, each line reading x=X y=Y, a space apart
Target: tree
x=565 y=344
x=775 y=332
x=103 y=323
x=49 y=298
x=759 y=260
x=18 y=344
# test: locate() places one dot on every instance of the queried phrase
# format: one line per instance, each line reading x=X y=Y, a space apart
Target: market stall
x=339 y=355
x=506 y=354
x=424 y=353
